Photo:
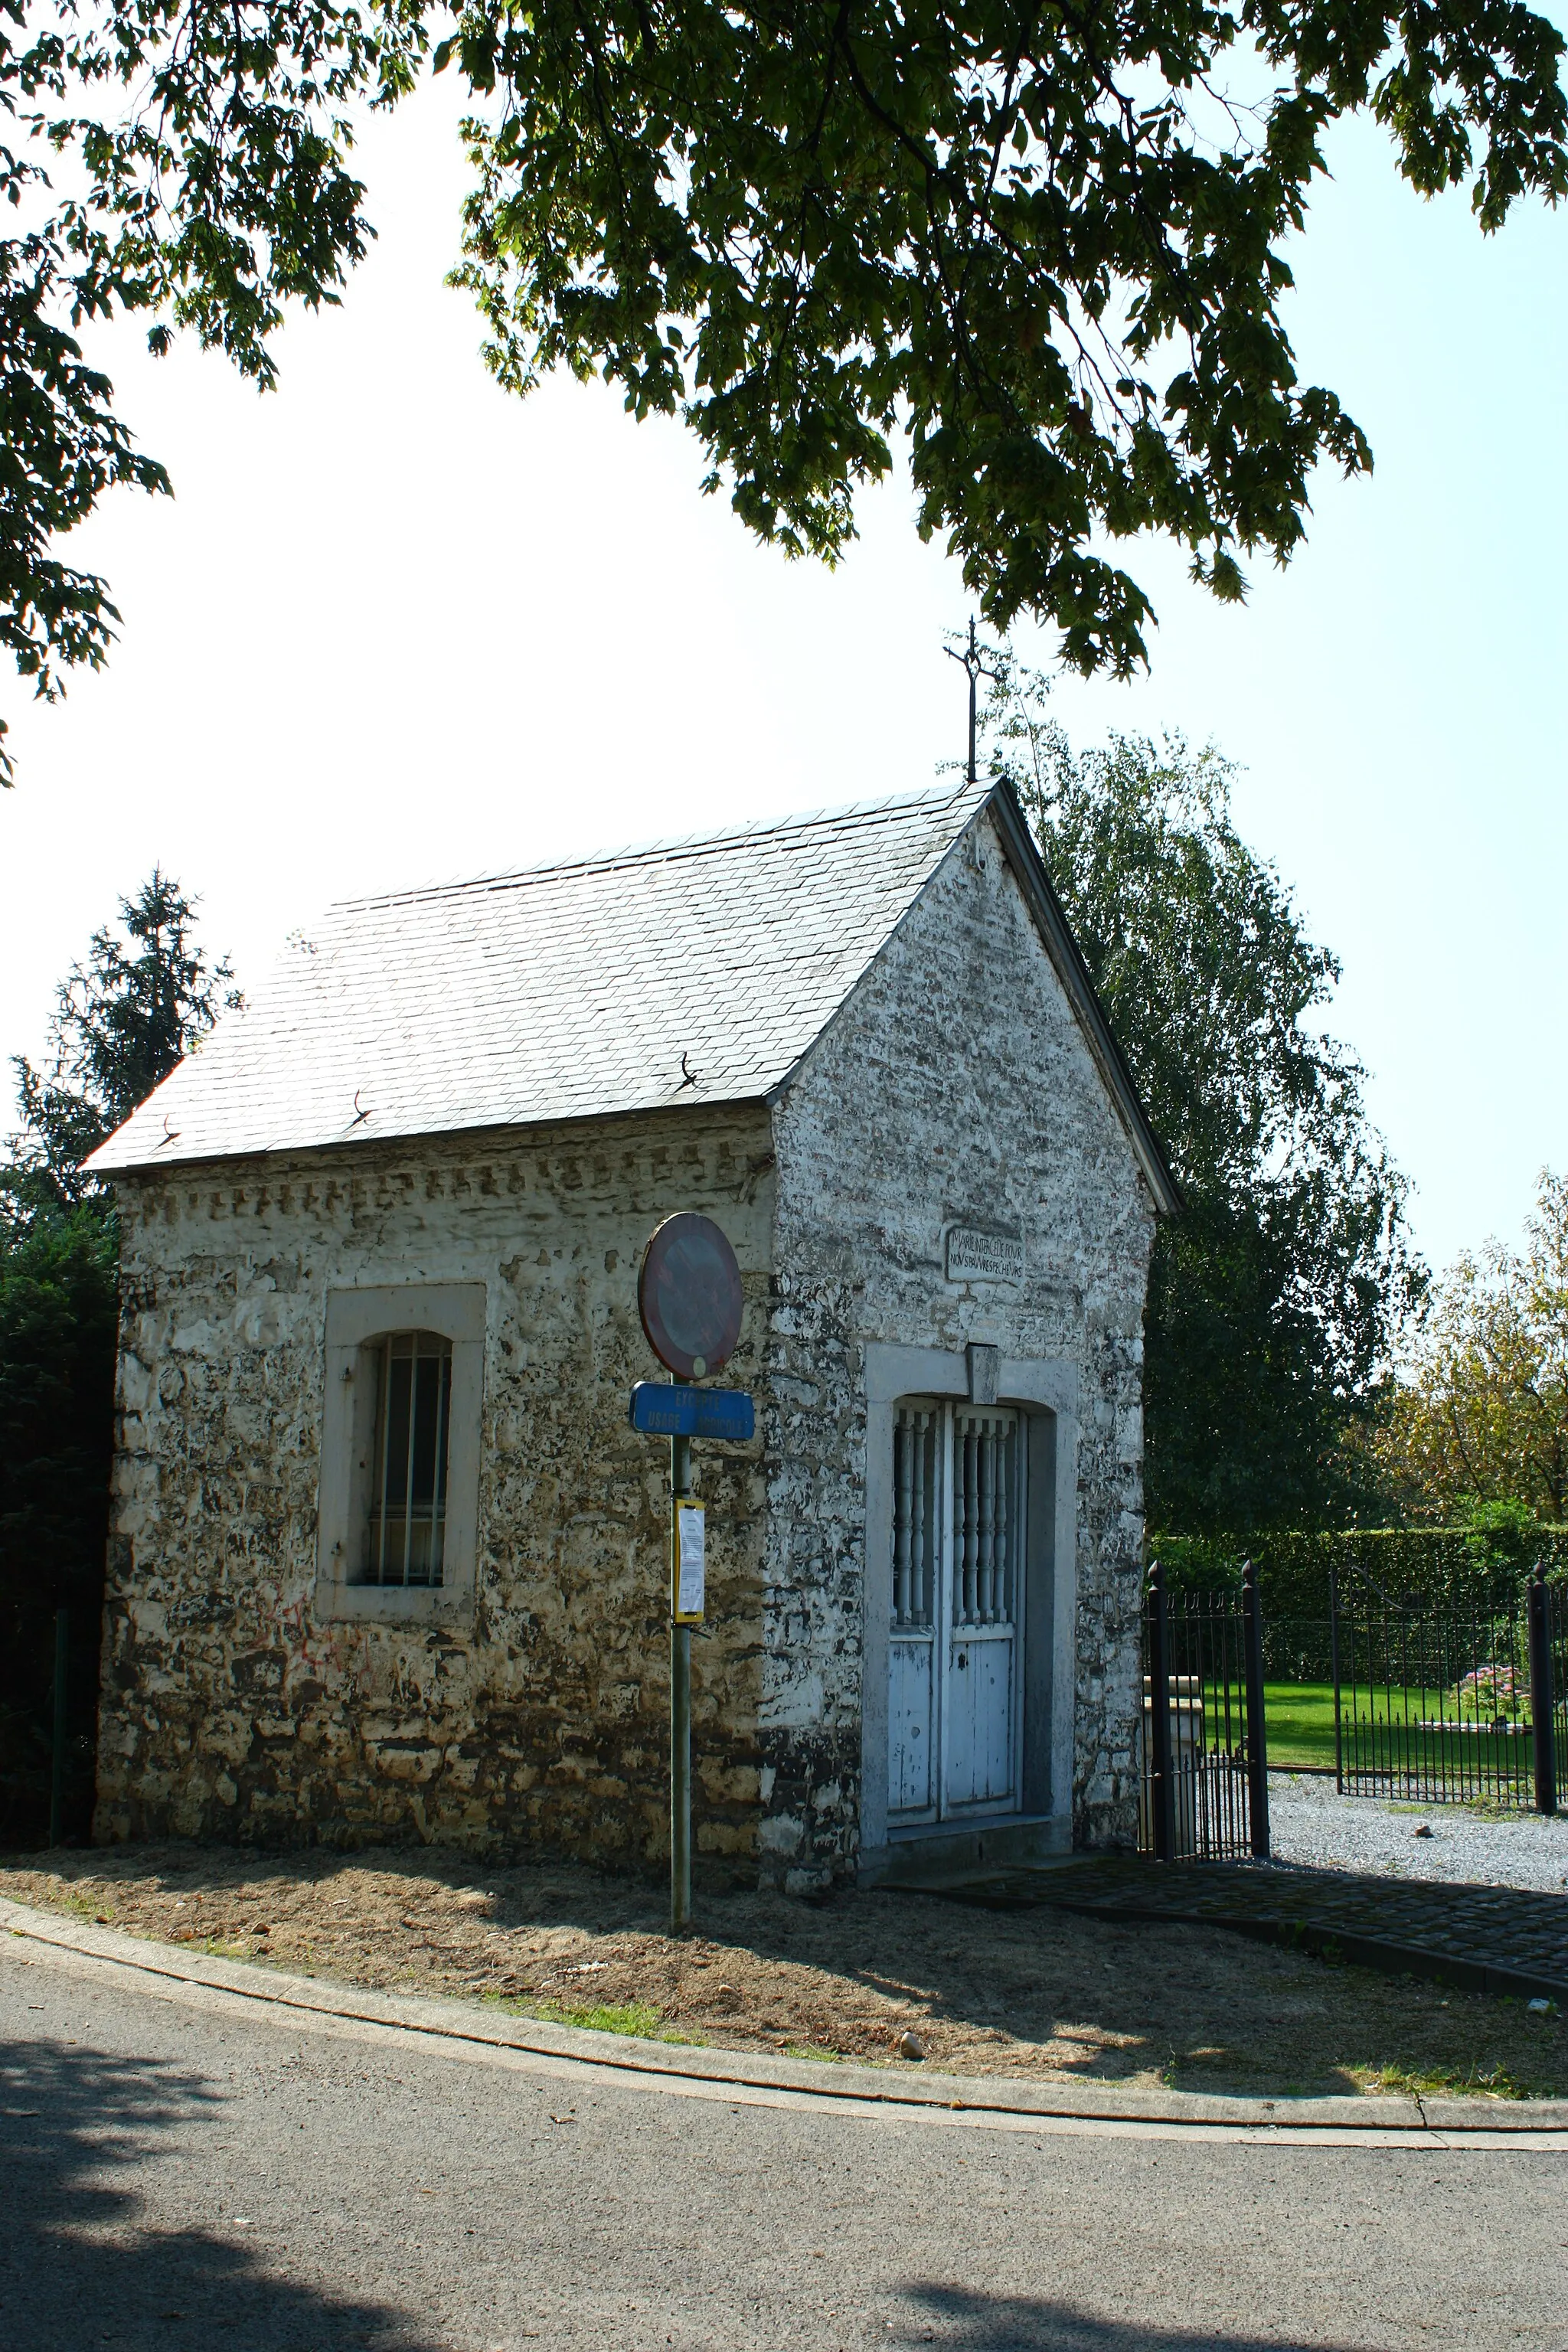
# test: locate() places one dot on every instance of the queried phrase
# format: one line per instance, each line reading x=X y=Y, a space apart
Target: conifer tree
x=144 y=997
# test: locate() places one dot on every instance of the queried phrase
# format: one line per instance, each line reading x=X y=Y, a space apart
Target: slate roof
x=562 y=992
x=565 y=992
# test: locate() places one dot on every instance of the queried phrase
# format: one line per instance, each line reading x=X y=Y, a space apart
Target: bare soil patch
x=1038 y=1994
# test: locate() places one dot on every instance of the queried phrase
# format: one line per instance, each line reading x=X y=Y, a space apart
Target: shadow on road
x=1007 y=2323
x=77 y=2268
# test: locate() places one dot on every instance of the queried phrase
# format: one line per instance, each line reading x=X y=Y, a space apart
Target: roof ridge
x=680 y=846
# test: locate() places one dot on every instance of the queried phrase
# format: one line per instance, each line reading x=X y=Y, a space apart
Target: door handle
x=963 y=1657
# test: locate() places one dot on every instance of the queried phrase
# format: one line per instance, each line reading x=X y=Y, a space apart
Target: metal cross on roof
x=970 y=660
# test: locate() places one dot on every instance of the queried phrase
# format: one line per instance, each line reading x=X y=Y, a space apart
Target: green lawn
x=1300 y=1720
x=1300 y=1723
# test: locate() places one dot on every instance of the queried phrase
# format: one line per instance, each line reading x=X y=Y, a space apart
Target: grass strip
x=639 y=2018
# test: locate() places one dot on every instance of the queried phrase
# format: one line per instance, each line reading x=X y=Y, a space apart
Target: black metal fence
x=1458 y=1703
x=1462 y=1699
x=1204 y=1781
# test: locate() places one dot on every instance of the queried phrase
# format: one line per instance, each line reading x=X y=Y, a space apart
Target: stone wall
x=954 y=1087
x=227 y=1710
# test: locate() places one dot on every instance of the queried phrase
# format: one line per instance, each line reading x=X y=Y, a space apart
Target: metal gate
x=1204 y=1776
x=1454 y=1704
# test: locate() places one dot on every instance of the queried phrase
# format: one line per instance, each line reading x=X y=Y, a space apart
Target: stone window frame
x=356 y=1321
x=1047 y=1389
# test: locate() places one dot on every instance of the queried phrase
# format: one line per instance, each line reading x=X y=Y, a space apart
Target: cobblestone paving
x=1488 y=1938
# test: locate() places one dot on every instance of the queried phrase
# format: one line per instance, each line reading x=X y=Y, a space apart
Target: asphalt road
x=179 y=2168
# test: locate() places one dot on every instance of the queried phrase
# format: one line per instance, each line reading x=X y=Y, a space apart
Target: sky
x=397 y=625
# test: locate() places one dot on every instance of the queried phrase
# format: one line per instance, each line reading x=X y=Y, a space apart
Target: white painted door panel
x=912 y=1698
x=979 y=1744
x=954 y=1717
x=910 y=1745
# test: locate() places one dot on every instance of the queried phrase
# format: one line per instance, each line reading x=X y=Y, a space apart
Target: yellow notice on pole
x=690 y=1564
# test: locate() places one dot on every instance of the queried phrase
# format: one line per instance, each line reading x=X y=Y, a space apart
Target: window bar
x=999 y=1522
x=958 y=1514
x=986 y=1580
x=438 y=1519
x=385 y=1458
x=971 y=1524
x=1005 y=1601
x=903 y=1519
x=925 y=1441
x=408 y=1477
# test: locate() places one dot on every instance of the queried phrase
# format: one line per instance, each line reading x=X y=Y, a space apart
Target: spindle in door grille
x=914 y=1514
x=984 y=1447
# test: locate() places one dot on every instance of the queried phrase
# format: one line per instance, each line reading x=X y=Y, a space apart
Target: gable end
x=1051 y=920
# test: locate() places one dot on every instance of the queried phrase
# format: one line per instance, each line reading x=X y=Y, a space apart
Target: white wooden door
x=911 y=1651
x=982 y=1614
x=955 y=1638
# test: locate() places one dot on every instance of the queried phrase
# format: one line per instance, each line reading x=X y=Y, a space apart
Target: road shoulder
x=467 y=2026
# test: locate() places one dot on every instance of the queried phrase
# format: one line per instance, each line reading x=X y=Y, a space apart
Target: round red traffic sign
x=689 y=1294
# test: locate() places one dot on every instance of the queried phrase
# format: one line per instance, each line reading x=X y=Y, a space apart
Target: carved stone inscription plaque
x=976 y=1256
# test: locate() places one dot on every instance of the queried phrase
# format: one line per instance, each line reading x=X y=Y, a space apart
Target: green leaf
x=1027 y=249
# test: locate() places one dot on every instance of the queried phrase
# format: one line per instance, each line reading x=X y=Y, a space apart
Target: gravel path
x=1310 y=1823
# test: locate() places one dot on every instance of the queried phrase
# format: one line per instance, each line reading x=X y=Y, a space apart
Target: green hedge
x=1431 y=1564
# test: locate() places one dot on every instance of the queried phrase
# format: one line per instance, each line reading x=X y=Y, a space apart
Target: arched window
x=407 y=1520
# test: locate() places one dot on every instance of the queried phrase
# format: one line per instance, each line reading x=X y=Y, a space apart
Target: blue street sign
x=662 y=1409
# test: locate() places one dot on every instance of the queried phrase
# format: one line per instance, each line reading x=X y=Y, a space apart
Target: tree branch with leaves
x=1044 y=245
x=1480 y=1415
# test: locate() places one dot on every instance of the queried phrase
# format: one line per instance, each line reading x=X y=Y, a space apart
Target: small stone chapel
x=387 y=1560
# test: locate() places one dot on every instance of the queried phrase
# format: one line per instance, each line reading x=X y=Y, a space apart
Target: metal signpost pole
x=691 y=1301
x=680 y=1705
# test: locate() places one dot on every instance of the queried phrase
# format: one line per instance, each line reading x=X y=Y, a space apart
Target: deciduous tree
x=1276 y=1297
x=1044 y=243
x=1480 y=1419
